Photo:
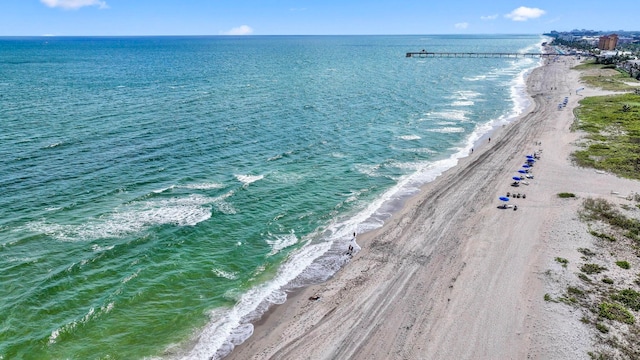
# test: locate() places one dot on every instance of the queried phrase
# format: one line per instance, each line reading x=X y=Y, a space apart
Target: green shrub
x=607 y=281
x=602 y=236
x=613 y=133
x=602 y=328
x=565 y=195
x=562 y=261
x=629 y=297
x=617 y=312
x=584 y=278
x=602 y=210
x=592 y=269
x=574 y=291
x=623 y=264
x=586 y=252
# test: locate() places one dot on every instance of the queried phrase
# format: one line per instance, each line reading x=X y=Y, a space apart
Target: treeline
x=633 y=48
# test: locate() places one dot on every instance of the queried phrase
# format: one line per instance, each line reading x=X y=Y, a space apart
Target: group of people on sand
x=351 y=249
x=526 y=173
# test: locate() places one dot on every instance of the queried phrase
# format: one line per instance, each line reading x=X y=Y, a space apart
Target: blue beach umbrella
x=529 y=156
x=530 y=160
x=516 y=178
x=504 y=198
x=522 y=171
x=526 y=166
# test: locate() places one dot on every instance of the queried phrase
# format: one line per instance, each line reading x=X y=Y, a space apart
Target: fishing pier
x=428 y=54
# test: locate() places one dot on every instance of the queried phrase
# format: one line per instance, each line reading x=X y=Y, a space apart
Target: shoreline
x=450 y=258
x=302 y=294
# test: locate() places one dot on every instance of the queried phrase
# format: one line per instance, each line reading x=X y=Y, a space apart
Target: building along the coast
x=608 y=42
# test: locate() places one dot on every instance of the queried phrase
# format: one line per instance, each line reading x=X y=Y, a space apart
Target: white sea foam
x=87 y=316
x=24 y=260
x=447 y=130
x=130 y=277
x=178 y=211
x=53 y=145
x=414 y=150
x=405 y=165
x=276 y=157
x=225 y=274
x=107 y=308
x=54 y=336
x=475 y=78
x=98 y=248
x=409 y=137
x=196 y=186
x=467 y=94
x=367 y=169
x=225 y=208
x=281 y=242
x=248 y=179
x=449 y=115
x=355 y=195
x=160 y=191
x=203 y=186
x=136 y=217
x=462 y=103
x=90 y=315
x=70 y=326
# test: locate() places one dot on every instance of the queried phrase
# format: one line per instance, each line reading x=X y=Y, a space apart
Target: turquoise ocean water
x=159 y=193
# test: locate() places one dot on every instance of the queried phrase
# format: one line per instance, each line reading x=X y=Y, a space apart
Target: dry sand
x=452 y=276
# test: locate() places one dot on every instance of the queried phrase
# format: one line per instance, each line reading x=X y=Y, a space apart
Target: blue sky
x=310 y=17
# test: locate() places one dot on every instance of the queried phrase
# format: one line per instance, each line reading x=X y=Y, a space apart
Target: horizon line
x=258 y=35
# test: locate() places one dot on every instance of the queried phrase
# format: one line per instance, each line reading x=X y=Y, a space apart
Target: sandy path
x=452 y=276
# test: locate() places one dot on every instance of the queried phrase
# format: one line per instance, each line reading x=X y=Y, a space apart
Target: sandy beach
x=452 y=276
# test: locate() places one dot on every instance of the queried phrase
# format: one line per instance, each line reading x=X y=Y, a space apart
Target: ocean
x=159 y=193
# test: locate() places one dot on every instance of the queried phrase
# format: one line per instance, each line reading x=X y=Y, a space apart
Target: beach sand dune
x=451 y=276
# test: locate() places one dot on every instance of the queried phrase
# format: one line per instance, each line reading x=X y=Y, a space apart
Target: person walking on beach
x=351 y=248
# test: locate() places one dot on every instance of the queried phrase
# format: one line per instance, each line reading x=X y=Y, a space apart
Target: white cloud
x=240 y=30
x=524 y=13
x=489 y=17
x=462 y=25
x=74 y=4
